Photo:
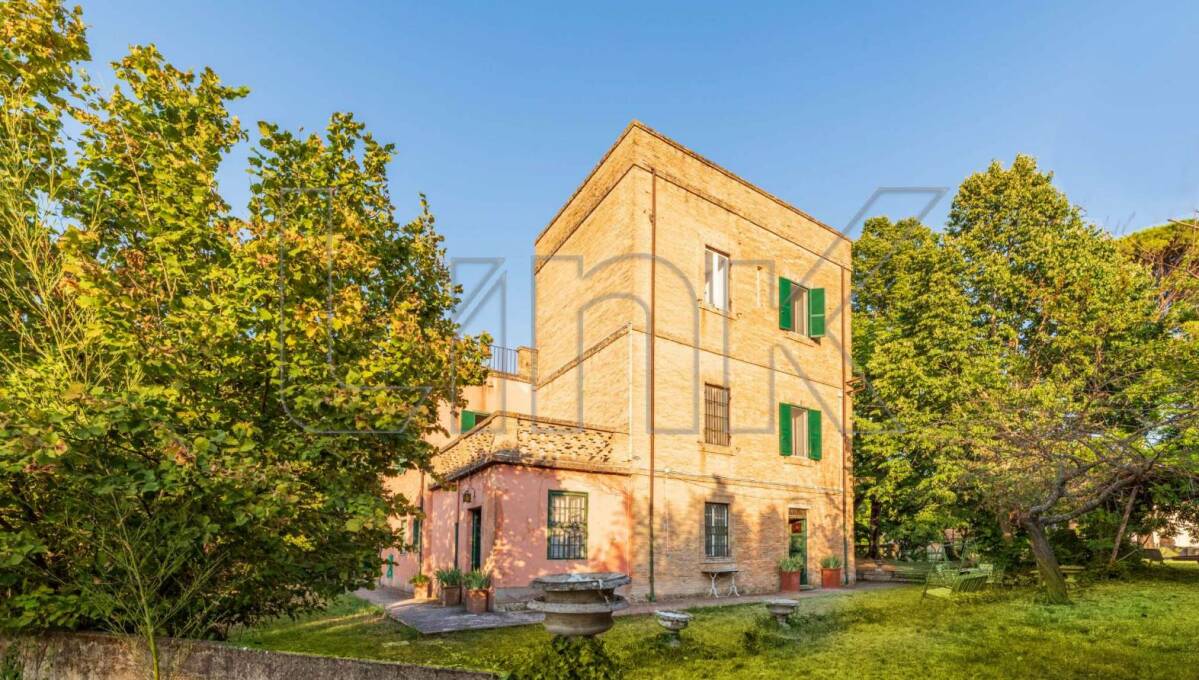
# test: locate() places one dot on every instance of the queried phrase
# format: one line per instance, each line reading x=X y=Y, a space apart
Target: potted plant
x=790 y=573
x=830 y=572
x=477 y=584
x=420 y=583
x=450 y=582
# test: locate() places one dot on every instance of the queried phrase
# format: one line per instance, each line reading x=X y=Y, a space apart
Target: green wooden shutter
x=470 y=419
x=784 y=429
x=816 y=312
x=814 y=439
x=785 y=312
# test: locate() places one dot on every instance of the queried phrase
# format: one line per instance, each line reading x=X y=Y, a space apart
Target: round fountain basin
x=579 y=604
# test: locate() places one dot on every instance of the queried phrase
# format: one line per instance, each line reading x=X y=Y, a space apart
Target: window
x=801 y=309
x=797 y=300
x=800 y=431
x=716 y=530
x=566 y=531
x=716 y=279
x=416 y=526
x=716 y=415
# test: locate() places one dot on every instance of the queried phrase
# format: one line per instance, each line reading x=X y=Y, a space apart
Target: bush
x=830 y=562
x=790 y=564
x=477 y=580
x=449 y=578
x=568 y=658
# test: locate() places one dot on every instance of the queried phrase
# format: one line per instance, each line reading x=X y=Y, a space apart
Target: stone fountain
x=579 y=604
x=781 y=609
x=674 y=622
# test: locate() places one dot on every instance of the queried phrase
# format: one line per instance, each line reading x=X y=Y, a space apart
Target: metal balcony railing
x=504 y=360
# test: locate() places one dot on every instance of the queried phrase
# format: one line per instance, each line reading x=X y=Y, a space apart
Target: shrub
x=830 y=562
x=568 y=658
x=790 y=564
x=419 y=580
x=477 y=580
x=449 y=577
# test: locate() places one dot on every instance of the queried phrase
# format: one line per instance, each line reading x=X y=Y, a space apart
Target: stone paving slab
x=429 y=617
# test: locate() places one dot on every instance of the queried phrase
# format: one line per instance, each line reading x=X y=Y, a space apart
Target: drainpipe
x=846 y=437
x=420 y=552
x=653 y=337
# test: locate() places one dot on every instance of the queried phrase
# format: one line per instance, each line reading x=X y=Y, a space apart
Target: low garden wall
x=93 y=656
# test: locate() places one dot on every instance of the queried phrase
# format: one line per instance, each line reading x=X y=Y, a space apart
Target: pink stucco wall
x=514 y=502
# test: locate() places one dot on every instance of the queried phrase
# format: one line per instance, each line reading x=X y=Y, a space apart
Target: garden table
x=714 y=571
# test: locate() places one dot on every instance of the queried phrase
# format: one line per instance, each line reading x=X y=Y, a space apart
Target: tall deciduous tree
x=226 y=394
x=1020 y=362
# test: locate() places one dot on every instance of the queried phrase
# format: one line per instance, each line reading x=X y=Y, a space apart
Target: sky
x=499 y=110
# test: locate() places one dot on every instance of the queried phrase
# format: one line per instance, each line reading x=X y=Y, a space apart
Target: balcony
x=516 y=363
x=505 y=437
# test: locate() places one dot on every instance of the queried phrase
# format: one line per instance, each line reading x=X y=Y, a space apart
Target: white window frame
x=799 y=309
x=799 y=432
x=716 y=279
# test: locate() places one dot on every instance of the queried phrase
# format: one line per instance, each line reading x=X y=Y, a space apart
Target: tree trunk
x=1132 y=497
x=1051 y=574
x=875 y=513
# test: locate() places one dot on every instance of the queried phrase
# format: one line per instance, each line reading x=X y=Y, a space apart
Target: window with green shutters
x=801 y=309
x=470 y=419
x=799 y=431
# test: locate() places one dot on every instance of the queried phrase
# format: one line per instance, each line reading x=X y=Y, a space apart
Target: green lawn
x=1147 y=628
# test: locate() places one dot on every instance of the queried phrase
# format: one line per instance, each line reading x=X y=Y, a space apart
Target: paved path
x=427 y=616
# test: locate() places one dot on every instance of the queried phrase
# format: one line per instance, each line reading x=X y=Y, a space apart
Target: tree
x=1016 y=364
x=911 y=342
x=1082 y=401
x=243 y=385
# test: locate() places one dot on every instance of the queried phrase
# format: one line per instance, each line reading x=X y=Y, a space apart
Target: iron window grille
x=716 y=415
x=566 y=530
x=716 y=530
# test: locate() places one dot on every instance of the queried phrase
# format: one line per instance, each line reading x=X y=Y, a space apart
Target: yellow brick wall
x=650 y=193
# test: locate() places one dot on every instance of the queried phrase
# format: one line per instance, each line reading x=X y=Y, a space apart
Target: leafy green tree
x=1016 y=364
x=179 y=387
x=912 y=342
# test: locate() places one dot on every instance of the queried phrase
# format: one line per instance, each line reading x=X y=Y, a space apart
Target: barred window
x=716 y=530
x=716 y=415
x=566 y=531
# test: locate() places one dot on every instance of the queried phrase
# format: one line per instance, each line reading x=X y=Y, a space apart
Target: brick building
x=670 y=292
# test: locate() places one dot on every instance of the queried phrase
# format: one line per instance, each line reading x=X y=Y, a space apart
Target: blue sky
x=499 y=110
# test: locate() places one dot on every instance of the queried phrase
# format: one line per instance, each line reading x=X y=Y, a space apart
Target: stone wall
x=89 y=656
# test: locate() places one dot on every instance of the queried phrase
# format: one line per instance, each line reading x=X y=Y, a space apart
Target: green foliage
x=167 y=403
x=449 y=577
x=419 y=580
x=476 y=579
x=830 y=562
x=1019 y=372
x=1145 y=623
x=791 y=564
x=568 y=658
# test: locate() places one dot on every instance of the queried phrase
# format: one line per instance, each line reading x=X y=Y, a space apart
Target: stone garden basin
x=674 y=622
x=579 y=604
x=781 y=609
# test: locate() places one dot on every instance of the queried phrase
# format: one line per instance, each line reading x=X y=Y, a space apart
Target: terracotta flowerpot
x=429 y=590
x=789 y=581
x=451 y=596
x=476 y=601
x=830 y=578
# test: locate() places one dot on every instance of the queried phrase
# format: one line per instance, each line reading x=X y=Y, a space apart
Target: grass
x=1145 y=627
